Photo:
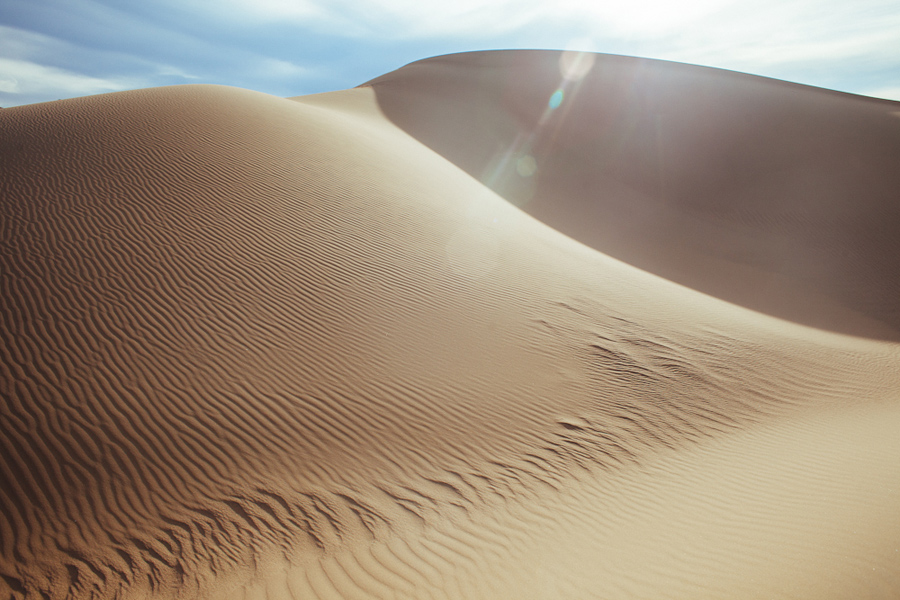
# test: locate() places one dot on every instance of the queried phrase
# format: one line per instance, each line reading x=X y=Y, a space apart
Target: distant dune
x=515 y=324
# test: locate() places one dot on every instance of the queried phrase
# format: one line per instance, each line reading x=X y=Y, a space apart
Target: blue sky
x=53 y=49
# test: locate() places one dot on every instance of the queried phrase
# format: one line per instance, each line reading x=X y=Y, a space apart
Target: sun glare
x=575 y=64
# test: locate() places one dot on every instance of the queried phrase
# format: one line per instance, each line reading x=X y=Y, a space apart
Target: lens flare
x=556 y=99
x=513 y=172
x=526 y=166
x=575 y=65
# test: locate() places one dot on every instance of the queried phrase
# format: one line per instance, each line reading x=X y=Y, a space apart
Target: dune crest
x=266 y=348
x=772 y=195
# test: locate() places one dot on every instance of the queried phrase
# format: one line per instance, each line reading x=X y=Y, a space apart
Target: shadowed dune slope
x=262 y=348
x=776 y=196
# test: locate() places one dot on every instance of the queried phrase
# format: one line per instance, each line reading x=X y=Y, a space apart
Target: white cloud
x=170 y=71
x=263 y=10
x=820 y=42
x=396 y=19
x=272 y=67
x=774 y=33
x=709 y=22
x=26 y=79
x=24 y=45
x=833 y=39
x=634 y=18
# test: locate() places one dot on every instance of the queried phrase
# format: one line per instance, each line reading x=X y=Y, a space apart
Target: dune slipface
x=768 y=194
x=266 y=348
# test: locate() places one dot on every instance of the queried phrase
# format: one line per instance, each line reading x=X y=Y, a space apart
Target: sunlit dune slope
x=776 y=196
x=265 y=348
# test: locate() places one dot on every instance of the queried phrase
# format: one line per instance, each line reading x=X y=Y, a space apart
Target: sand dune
x=771 y=195
x=257 y=347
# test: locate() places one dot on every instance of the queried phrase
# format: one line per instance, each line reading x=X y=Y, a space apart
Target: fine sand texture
x=496 y=325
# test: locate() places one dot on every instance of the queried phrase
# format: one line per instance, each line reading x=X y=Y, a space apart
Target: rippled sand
x=495 y=325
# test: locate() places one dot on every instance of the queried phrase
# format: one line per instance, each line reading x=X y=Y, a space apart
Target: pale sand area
x=267 y=348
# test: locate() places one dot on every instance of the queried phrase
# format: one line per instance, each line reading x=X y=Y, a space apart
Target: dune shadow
x=778 y=197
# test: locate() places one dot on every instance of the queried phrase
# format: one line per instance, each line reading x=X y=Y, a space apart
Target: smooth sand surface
x=266 y=348
x=772 y=195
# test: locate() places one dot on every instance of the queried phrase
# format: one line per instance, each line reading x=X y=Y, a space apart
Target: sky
x=55 y=49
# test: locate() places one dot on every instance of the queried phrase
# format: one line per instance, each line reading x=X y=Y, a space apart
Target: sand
x=433 y=338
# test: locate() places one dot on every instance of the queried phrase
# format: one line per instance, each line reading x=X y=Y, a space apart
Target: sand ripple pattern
x=232 y=339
